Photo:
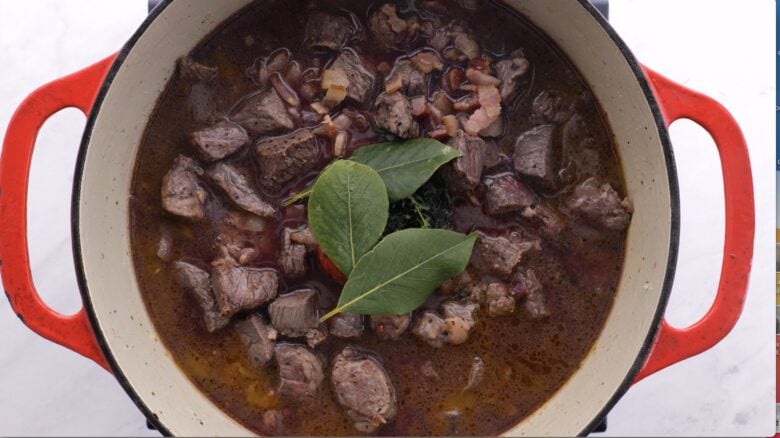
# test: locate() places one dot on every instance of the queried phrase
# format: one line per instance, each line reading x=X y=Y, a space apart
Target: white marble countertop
x=720 y=47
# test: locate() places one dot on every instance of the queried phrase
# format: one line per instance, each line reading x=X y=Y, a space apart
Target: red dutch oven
x=114 y=329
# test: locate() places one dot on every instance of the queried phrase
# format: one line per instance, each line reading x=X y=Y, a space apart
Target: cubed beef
x=535 y=155
x=237 y=187
x=292 y=255
x=258 y=338
x=220 y=140
x=393 y=113
x=476 y=373
x=412 y=81
x=238 y=288
x=509 y=71
x=362 y=80
x=388 y=29
x=364 y=389
x=181 y=191
x=553 y=106
x=196 y=281
x=272 y=423
x=499 y=255
x=498 y=300
x=465 y=172
x=327 y=31
x=264 y=113
x=431 y=329
x=346 y=325
x=283 y=159
x=192 y=70
x=390 y=326
x=527 y=285
x=505 y=194
x=300 y=370
x=551 y=220
x=599 y=202
x=296 y=314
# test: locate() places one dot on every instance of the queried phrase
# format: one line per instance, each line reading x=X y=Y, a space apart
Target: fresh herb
x=348 y=211
x=429 y=207
x=405 y=166
x=399 y=274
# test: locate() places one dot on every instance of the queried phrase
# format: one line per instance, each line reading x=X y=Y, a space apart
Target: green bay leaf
x=405 y=166
x=402 y=270
x=347 y=212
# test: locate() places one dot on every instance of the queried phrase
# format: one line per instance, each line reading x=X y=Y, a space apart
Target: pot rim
x=671 y=264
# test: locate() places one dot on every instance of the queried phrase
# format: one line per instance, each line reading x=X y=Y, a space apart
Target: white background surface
x=722 y=48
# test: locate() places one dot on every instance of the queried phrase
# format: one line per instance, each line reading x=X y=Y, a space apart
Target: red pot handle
x=672 y=344
x=79 y=91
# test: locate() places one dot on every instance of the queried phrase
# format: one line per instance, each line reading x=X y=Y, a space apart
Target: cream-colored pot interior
x=103 y=218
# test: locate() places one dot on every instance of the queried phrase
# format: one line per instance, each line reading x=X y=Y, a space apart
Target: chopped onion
x=480 y=78
x=319 y=108
x=466 y=45
x=335 y=95
x=340 y=144
x=451 y=124
x=333 y=77
x=278 y=60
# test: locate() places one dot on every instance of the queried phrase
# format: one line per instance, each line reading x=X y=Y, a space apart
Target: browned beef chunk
x=181 y=191
x=527 y=285
x=258 y=338
x=499 y=255
x=238 y=288
x=362 y=79
x=283 y=159
x=300 y=370
x=465 y=172
x=364 y=389
x=388 y=29
x=393 y=114
x=297 y=315
x=220 y=140
x=272 y=423
x=196 y=281
x=551 y=220
x=413 y=81
x=237 y=187
x=600 y=203
x=553 y=106
x=509 y=71
x=431 y=329
x=292 y=256
x=327 y=31
x=498 y=300
x=476 y=373
x=505 y=194
x=390 y=326
x=535 y=154
x=264 y=113
x=192 y=70
x=346 y=325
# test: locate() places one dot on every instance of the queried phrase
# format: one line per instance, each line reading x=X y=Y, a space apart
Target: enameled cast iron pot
x=114 y=328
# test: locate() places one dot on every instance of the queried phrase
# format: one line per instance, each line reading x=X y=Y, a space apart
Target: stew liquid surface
x=526 y=354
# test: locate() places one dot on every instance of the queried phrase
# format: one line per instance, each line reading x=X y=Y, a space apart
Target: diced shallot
x=278 y=61
x=319 y=108
x=394 y=84
x=419 y=106
x=480 y=78
x=466 y=44
x=439 y=134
